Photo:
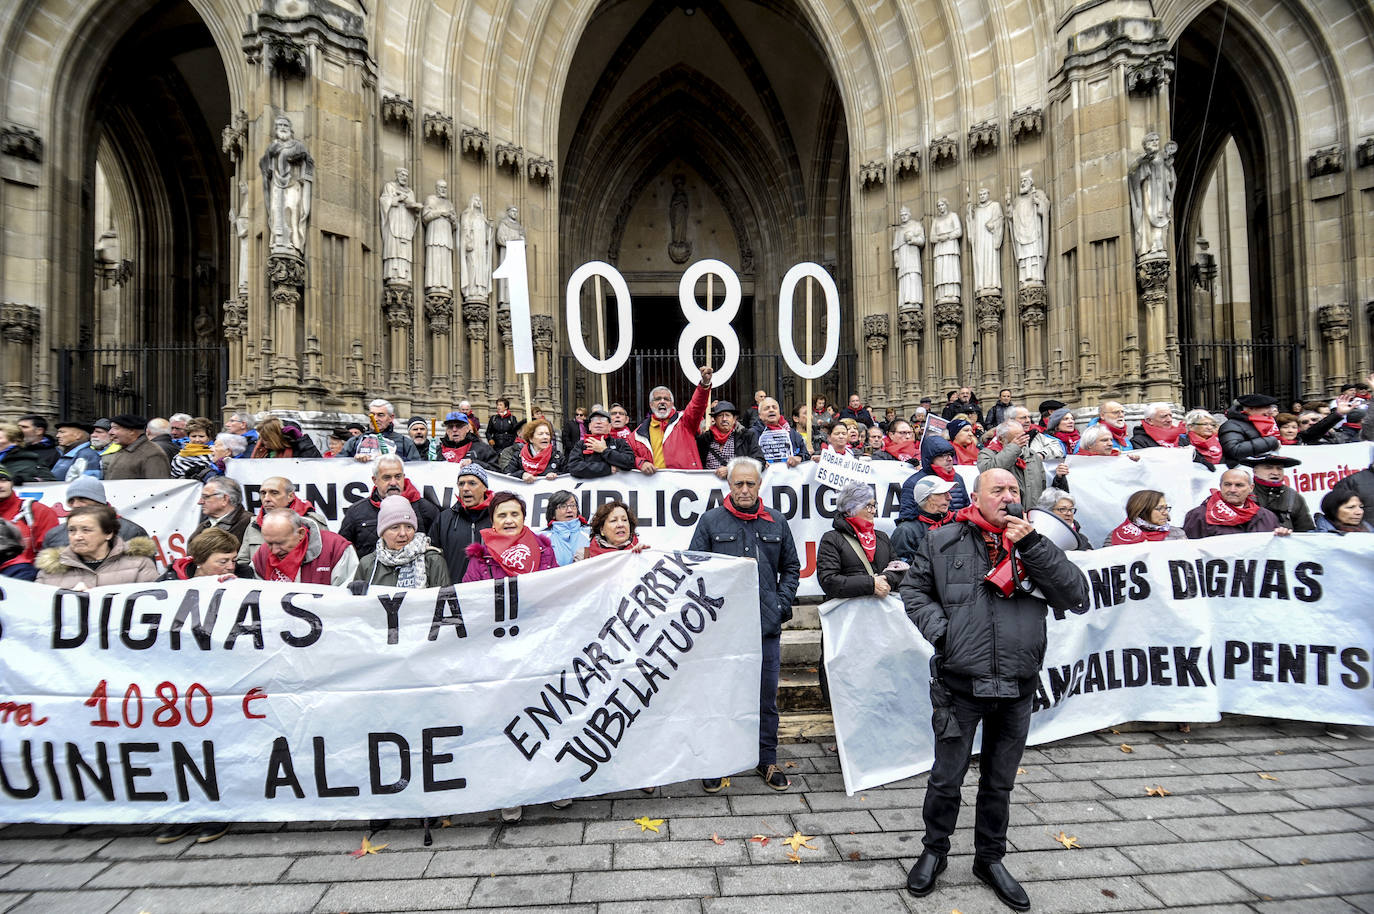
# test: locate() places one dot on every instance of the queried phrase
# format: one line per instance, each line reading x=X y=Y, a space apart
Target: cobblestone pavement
x=1265 y=817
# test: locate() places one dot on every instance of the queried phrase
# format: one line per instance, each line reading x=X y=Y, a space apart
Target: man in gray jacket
x=968 y=591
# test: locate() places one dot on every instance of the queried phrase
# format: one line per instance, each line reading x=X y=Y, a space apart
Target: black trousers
x=1005 y=725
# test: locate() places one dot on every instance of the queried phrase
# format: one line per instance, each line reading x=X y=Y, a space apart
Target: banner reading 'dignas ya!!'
x=250 y=701
x=1175 y=631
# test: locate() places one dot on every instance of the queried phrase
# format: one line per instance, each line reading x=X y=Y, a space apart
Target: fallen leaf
x=717 y=838
x=1109 y=893
x=647 y=824
x=1126 y=748
x=798 y=841
x=446 y=822
x=1279 y=752
x=1020 y=771
x=1116 y=731
x=789 y=764
x=1267 y=777
x=1304 y=860
x=855 y=855
x=1068 y=841
x=367 y=848
x=1156 y=791
x=794 y=857
x=760 y=840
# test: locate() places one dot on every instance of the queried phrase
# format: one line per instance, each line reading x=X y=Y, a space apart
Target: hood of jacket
x=933 y=446
x=53 y=559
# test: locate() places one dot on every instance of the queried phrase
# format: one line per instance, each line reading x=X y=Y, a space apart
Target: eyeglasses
x=871 y=506
x=1067 y=510
x=1165 y=508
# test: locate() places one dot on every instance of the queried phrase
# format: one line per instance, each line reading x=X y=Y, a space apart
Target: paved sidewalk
x=1258 y=818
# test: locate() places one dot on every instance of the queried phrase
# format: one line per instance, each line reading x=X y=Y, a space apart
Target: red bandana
x=965 y=456
x=288 y=566
x=1269 y=485
x=997 y=445
x=720 y=436
x=409 y=493
x=598 y=546
x=1288 y=441
x=481 y=505
x=454 y=454
x=933 y=522
x=516 y=553
x=1068 y=439
x=1118 y=434
x=586 y=448
x=535 y=464
x=994 y=538
x=1222 y=514
x=760 y=512
x=1265 y=425
x=1209 y=448
x=863 y=529
x=905 y=450
x=1128 y=534
x=1164 y=437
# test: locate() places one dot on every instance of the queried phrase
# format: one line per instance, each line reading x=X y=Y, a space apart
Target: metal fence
x=144 y=380
x=1217 y=371
x=649 y=368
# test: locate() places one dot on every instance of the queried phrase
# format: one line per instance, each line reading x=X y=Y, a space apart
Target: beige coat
x=141 y=460
x=127 y=563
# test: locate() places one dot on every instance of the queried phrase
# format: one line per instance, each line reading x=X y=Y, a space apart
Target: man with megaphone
x=978 y=590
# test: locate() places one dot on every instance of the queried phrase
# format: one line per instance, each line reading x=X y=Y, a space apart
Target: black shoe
x=921 y=880
x=1003 y=884
x=713 y=785
x=174 y=832
x=211 y=831
x=772 y=776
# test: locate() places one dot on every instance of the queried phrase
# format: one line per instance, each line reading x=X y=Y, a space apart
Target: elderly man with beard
x=741 y=526
x=963 y=592
x=670 y=436
x=1111 y=416
x=461 y=523
x=359 y=524
x=773 y=440
x=1232 y=509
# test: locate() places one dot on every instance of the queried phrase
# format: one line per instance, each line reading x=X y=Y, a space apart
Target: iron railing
x=145 y=380
x=1215 y=372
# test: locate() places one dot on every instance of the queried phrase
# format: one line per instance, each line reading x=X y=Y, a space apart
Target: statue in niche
x=985 y=234
x=1151 y=183
x=679 y=248
x=907 y=242
x=507 y=230
x=1030 y=220
x=238 y=219
x=946 y=232
x=400 y=213
x=476 y=259
x=440 y=218
x=288 y=176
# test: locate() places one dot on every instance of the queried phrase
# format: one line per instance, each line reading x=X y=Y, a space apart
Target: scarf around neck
x=1265 y=425
x=288 y=566
x=904 y=450
x=719 y=436
x=759 y=513
x=300 y=507
x=965 y=455
x=599 y=545
x=997 y=446
x=515 y=553
x=409 y=561
x=948 y=474
x=863 y=529
x=1068 y=439
x=1164 y=437
x=1222 y=514
x=1209 y=448
x=535 y=464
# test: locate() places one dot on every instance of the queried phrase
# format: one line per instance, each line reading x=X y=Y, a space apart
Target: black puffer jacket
x=1287 y=506
x=454 y=530
x=991 y=646
x=1240 y=440
x=501 y=430
x=838 y=568
x=768 y=541
x=584 y=463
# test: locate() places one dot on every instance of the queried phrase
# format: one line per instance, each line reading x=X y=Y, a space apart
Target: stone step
x=804 y=616
x=806 y=727
x=801 y=647
x=799 y=689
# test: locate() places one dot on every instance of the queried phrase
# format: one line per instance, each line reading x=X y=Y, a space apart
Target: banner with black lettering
x=250 y=701
x=166 y=508
x=1175 y=631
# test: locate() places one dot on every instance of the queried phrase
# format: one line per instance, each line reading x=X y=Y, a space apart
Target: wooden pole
x=528 y=412
x=601 y=339
x=810 y=402
x=710 y=306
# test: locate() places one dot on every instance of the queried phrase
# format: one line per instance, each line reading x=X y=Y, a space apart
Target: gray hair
x=1154 y=409
x=179 y=417
x=227 y=487
x=242 y=417
x=657 y=389
x=1051 y=497
x=236 y=444
x=297 y=522
x=1244 y=471
x=379 y=403
x=387 y=459
x=1009 y=429
x=1195 y=415
x=158 y=427
x=853 y=496
x=1092 y=435
x=1018 y=409
x=747 y=462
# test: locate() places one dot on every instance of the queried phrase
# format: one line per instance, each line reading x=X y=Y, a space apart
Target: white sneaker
x=512 y=813
x=561 y=804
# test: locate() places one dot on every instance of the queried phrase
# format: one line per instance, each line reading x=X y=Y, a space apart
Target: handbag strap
x=858 y=550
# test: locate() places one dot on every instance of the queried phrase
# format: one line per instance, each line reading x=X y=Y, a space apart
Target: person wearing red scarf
x=535 y=453
x=296 y=549
x=1232 y=509
x=773 y=440
x=989 y=636
x=33 y=518
x=1147 y=520
x=900 y=444
x=613 y=530
x=1249 y=430
x=1111 y=415
x=965 y=442
x=724 y=440
x=461 y=445
x=600 y=453
x=275 y=492
x=621 y=428
x=359 y=525
x=931 y=495
x=1061 y=428
x=744 y=528
x=1010 y=450
x=837 y=440
x=1202 y=435
x=509 y=548
x=1272 y=492
x=1158 y=428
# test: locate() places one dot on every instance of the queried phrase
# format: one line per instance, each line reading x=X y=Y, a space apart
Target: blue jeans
x=768 y=700
x=1005 y=725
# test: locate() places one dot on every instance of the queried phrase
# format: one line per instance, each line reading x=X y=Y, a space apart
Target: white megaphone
x=1053 y=527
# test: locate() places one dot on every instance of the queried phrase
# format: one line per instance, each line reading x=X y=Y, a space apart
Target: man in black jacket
x=1249 y=429
x=460 y=524
x=359 y=525
x=963 y=592
x=600 y=453
x=724 y=440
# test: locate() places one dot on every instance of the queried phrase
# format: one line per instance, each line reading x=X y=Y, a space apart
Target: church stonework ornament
x=475 y=254
x=1151 y=184
x=398 y=306
x=876 y=331
x=679 y=246
x=475 y=316
x=1031 y=304
x=948 y=317
x=1152 y=276
x=1334 y=321
x=907 y=241
x=542 y=328
x=946 y=234
x=400 y=214
x=440 y=218
x=439 y=311
x=912 y=324
x=19 y=323
x=288 y=176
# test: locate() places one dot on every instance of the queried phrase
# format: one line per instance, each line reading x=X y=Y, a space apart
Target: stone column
x=1334 y=321
x=542 y=327
x=506 y=383
x=19 y=330
x=439 y=319
x=398 y=306
x=912 y=324
x=877 y=328
x=988 y=310
x=475 y=317
x=235 y=325
x=1031 y=305
x=948 y=317
x=1152 y=281
x=286 y=278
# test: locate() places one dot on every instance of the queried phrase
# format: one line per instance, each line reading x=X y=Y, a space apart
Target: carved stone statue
x=679 y=248
x=1151 y=184
x=440 y=217
x=946 y=232
x=907 y=241
x=476 y=253
x=400 y=212
x=1030 y=222
x=288 y=176
x=507 y=230
x=985 y=235
x=238 y=219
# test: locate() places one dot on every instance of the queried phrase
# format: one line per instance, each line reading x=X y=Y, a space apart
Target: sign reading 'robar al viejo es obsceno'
x=253 y=701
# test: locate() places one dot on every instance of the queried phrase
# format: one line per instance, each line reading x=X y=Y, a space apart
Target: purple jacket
x=482 y=565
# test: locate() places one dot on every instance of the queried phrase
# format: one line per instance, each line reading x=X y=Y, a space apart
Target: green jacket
x=377 y=575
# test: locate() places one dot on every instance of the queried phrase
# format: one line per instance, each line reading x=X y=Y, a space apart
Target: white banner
x=249 y=701
x=167 y=509
x=1177 y=631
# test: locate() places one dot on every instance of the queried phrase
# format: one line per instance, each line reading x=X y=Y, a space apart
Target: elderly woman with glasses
x=1147 y=521
x=1063 y=506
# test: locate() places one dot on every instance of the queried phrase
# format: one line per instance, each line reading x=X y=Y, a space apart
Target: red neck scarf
x=409 y=493
x=1269 y=485
x=625 y=433
x=288 y=566
x=997 y=445
x=1129 y=533
x=931 y=521
x=1118 y=434
x=586 y=448
x=965 y=455
x=994 y=538
x=863 y=529
x=516 y=553
x=535 y=464
x=904 y=450
x=481 y=505
x=1209 y=448
x=781 y=423
x=1164 y=437
x=302 y=508
x=948 y=474
x=599 y=546
x=1221 y=514
x=760 y=512
x=1288 y=441
x=454 y=453
x=1069 y=439
x=720 y=436
x=1265 y=425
